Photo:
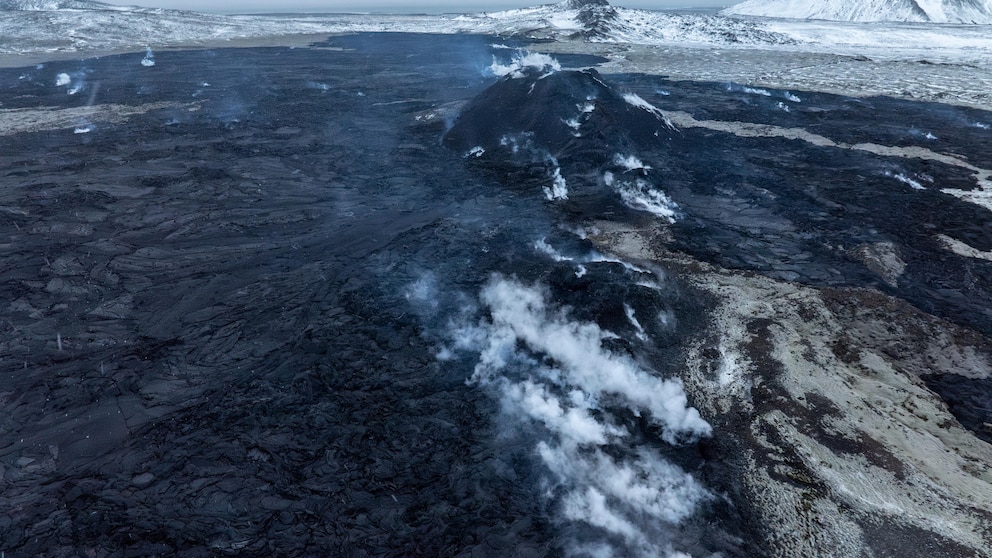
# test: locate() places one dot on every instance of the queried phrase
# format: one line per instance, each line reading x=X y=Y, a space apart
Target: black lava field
x=334 y=301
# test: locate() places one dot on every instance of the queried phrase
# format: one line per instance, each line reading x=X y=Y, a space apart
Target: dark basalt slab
x=969 y=399
x=824 y=216
x=207 y=347
x=206 y=339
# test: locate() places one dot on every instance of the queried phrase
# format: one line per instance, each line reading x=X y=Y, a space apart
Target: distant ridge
x=596 y=16
x=579 y=4
x=929 y=11
x=52 y=5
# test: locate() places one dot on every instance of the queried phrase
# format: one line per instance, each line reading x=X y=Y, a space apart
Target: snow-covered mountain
x=40 y=27
x=931 y=11
x=81 y=25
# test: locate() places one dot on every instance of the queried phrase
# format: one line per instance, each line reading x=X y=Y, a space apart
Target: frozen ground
x=946 y=63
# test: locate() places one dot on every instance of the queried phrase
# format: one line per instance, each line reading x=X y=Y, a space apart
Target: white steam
x=520 y=314
x=629 y=162
x=524 y=61
x=559 y=188
x=553 y=376
x=543 y=247
x=523 y=143
x=787 y=95
x=585 y=109
x=914 y=184
x=593 y=256
x=149 y=59
x=756 y=91
x=632 y=318
x=424 y=291
x=635 y=100
x=65 y=80
x=641 y=194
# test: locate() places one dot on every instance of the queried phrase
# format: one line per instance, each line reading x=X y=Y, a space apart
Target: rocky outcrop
x=842 y=447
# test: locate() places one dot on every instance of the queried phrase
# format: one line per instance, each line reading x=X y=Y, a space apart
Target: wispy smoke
x=521 y=62
x=553 y=377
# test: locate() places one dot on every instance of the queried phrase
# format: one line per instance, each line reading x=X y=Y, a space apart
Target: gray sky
x=409 y=6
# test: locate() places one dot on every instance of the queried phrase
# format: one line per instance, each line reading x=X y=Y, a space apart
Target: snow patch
x=932 y=11
x=963 y=249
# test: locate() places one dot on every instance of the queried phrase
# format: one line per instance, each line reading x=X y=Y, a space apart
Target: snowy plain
x=928 y=61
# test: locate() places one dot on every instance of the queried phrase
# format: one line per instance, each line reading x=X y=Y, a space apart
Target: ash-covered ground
x=395 y=295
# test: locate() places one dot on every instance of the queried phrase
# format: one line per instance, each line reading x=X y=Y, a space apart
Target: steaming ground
x=403 y=295
x=230 y=304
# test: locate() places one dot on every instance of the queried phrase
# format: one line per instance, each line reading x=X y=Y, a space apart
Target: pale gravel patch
x=959 y=76
x=44 y=119
x=983 y=177
x=963 y=249
x=944 y=484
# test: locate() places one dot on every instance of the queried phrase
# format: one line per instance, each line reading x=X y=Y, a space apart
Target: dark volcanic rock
x=596 y=16
x=536 y=123
x=579 y=4
x=969 y=399
x=231 y=280
x=751 y=196
x=573 y=116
